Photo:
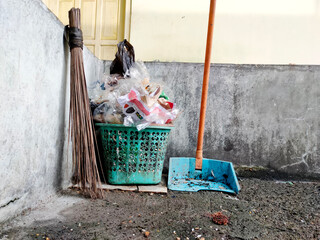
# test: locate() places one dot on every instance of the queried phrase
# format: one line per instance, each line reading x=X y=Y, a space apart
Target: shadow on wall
x=62 y=119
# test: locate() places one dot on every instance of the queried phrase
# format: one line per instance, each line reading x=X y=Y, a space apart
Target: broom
x=81 y=130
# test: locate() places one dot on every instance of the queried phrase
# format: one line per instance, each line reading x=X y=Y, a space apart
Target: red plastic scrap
x=219 y=218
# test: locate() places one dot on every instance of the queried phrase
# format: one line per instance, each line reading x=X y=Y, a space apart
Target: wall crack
x=11 y=201
x=296 y=163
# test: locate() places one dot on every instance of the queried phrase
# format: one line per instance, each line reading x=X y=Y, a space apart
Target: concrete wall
x=246 y=32
x=257 y=115
x=34 y=100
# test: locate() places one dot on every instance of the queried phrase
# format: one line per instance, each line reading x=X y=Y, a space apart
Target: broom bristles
x=81 y=130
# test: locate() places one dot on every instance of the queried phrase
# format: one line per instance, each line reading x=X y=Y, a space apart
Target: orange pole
x=205 y=85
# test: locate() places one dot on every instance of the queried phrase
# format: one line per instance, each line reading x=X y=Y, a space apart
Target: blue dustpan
x=215 y=175
x=194 y=174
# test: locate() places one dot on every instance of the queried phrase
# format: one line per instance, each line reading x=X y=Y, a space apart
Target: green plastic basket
x=131 y=156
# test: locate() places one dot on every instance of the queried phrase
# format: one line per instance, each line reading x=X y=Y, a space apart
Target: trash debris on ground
x=285 y=182
x=146 y=234
x=231 y=198
x=127 y=96
x=220 y=219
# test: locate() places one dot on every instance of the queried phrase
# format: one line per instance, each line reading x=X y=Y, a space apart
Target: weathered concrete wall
x=261 y=115
x=34 y=75
x=256 y=115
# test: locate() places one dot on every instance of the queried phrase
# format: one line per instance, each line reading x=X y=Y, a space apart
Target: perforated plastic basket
x=132 y=156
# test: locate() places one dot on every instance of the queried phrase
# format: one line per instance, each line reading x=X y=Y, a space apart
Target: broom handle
x=74 y=18
x=205 y=85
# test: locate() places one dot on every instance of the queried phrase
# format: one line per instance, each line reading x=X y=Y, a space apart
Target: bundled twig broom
x=81 y=130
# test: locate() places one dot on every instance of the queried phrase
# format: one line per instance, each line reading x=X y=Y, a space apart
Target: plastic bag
x=128 y=121
x=139 y=73
x=124 y=59
x=133 y=106
x=131 y=100
x=106 y=113
x=162 y=112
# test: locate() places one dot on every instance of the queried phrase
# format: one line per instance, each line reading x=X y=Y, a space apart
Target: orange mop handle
x=205 y=85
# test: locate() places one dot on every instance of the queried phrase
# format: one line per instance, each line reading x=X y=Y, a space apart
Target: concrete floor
x=264 y=209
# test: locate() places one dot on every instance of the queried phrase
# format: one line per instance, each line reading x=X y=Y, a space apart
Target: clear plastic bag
x=107 y=113
x=131 y=100
x=143 y=115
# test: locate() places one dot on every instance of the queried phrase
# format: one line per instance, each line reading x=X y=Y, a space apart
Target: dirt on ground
x=263 y=209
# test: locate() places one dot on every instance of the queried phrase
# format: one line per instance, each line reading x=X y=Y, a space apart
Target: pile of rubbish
x=127 y=96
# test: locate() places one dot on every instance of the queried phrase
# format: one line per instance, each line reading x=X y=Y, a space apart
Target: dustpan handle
x=205 y=85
